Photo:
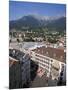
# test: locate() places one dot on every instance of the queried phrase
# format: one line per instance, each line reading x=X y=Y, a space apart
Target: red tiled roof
x=54 y=53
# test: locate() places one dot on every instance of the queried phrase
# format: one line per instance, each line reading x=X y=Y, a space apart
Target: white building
x=50 y=59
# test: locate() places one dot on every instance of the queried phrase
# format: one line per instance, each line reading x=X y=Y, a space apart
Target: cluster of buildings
x=22 y=35
x=49 y=58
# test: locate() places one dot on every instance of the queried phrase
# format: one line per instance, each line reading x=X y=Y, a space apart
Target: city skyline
x=19 y=9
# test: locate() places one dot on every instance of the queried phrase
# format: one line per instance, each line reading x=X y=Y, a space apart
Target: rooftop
x=16 y=54
x=55 y=53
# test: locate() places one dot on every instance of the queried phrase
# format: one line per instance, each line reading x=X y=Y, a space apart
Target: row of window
x=44 y=61
x=43 y=57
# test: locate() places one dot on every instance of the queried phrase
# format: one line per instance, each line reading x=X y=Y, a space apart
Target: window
x=51 y=60
x=61 y=57
x=61 y=74
x=22 y=63
x=54 y=55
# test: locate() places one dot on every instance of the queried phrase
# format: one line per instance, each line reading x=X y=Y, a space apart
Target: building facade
x=50 y=59
x=19 y=69
x=15 y=80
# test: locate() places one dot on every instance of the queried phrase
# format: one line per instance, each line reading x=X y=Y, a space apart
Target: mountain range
x=33 y=21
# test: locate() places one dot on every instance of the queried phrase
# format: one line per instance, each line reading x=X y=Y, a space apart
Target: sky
x=18 y=9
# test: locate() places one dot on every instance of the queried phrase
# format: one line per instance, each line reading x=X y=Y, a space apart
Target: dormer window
x=61 y=57
x=54 y=55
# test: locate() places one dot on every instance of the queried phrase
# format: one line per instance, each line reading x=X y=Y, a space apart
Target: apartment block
x=50 y=59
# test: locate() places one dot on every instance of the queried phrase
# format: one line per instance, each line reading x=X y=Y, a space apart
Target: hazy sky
x=18 y=9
